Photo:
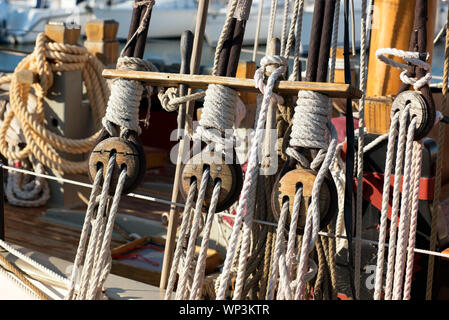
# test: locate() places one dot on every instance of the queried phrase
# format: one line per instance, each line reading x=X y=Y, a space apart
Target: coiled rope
x=49 y=57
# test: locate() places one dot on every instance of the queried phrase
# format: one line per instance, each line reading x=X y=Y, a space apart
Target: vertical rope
x=296 y=62
x=360 y=145
x=284 y=28
x=334 y=41
x=201 y=263
x=393 y=132
x=277 y=250
x=185 y=224
x=84 y=234
x=404 y=217
x=396 y=201
x=438 y=172
x=230 y=13
x=417 y=158
x=274 y=4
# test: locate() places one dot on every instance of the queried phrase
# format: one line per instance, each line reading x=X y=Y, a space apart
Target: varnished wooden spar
x=161 y=79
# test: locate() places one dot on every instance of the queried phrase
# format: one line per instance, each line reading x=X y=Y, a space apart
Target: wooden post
x=391 y=28
x=63 y=33
x=67 y=115
x=101 y=40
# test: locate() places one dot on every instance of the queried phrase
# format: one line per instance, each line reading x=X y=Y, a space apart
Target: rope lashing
x=218 y=114
x=123 y=105
x=43 y=144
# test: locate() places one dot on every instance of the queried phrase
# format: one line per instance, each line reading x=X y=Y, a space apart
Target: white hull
x=168 y=20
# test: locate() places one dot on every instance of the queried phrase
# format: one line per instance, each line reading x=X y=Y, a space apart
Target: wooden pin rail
x=160 y=79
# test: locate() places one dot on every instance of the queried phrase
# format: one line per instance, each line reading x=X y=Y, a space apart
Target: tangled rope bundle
x=49 y=57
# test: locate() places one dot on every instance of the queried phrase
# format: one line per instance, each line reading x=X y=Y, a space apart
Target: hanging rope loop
x=412 y=58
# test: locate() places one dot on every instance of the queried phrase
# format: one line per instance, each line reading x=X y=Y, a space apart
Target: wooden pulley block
x=230 y=175
x=127 y=156
x=418 y=109
x=287 y=187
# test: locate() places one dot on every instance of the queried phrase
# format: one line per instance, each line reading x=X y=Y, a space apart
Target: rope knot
x=271 y=67
x=412 y=58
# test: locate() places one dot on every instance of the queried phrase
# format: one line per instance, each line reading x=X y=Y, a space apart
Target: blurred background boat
x=21 y=21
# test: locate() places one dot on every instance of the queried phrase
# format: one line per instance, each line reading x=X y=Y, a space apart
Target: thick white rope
x=404 y=217
x=393 y=132
x=84 y=235
x=298 y=26
x=251 y=173
x=123 y=104
x=417 y=158
x=409 y=57
x=277 y=251
x=218 y=114
x=103 y=266
x=414 y=59
x=195 y=292
x=95 y=236
x=398 y=171
x=311 y=228
x=181 y=292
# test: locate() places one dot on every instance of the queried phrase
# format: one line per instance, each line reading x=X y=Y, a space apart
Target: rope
x=170 y=99
x=436 y=210
x=201 y=262
x=21 y=276
x=43 y=144
x=232 y=5
x=181 y=292
x=360 y=147
x=185 y=223
x=251 y=174
x=218 y=114
x=97 y=259
x=409 y=57
x=123 y=104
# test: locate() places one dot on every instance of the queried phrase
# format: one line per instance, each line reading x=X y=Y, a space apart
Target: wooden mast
x=391 y=27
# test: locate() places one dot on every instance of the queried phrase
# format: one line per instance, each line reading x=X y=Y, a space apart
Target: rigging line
x=87 y=185
x=428 y=252
x=350 y=151
x=332 y=235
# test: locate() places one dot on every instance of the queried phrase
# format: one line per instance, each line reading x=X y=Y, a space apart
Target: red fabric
x=373 y=189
